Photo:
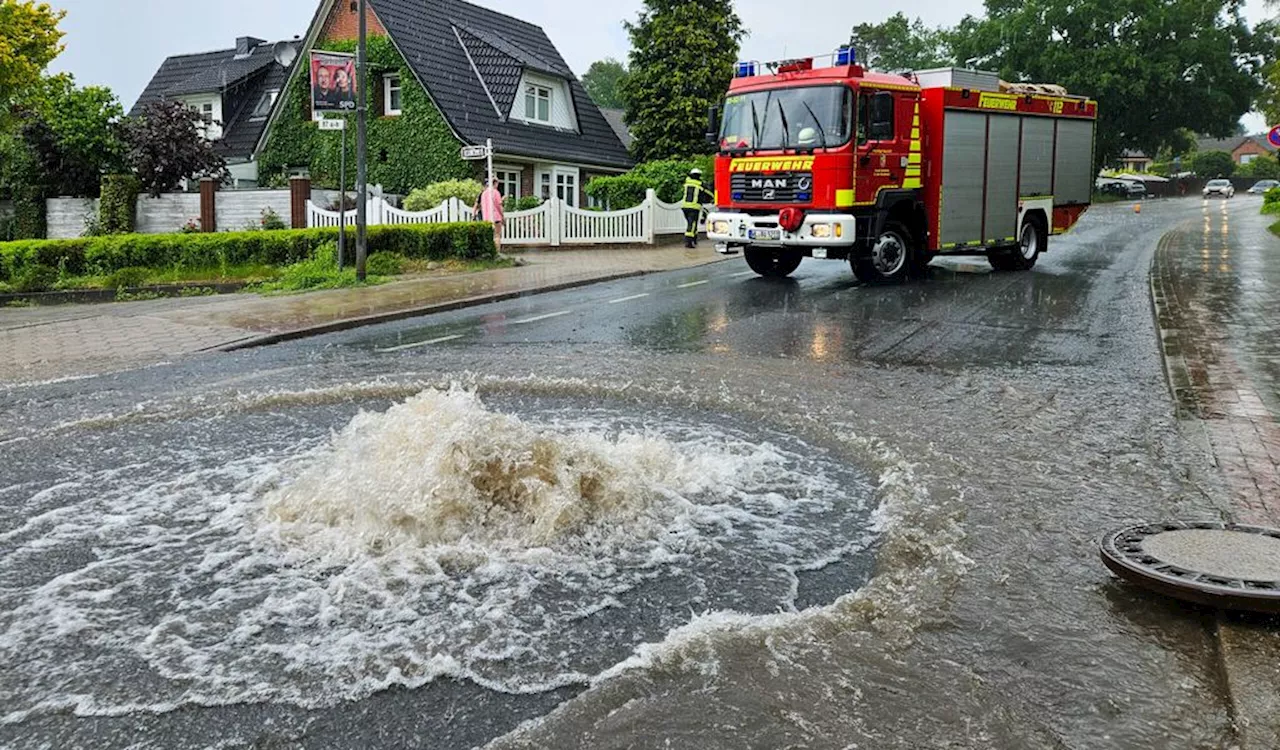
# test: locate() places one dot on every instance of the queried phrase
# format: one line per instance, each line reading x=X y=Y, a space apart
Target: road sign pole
x=488 y=146
x=342 y=201
x=362 y=144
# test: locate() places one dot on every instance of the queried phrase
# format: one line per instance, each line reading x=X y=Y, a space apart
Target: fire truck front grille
x=779 y=187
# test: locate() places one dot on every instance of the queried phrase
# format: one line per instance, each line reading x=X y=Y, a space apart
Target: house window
x=205 y=128
x=263 y=110
x=508 y=181
x=544 y=185
x=391 y=94
x=1246 y=158
x=567 y=187
x=537 y=103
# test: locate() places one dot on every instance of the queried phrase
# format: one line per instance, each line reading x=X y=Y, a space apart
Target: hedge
x=117 y=211
x=104 y=255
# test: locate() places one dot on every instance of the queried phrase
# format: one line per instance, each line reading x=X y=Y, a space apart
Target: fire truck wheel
x=891 y=257
x=771 y=263
x=1022 y=256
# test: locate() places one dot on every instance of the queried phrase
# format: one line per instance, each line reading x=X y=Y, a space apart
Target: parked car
x=1262 y=186
x=1122 y=188
x=1219 y=187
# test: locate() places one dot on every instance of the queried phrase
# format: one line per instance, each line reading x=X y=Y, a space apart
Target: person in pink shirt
x=489 y=207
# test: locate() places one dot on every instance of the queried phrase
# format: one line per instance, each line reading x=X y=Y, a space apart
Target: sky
x=121 y=43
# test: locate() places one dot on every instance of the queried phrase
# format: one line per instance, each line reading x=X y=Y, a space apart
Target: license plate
x=765 y=235
x=819 y=252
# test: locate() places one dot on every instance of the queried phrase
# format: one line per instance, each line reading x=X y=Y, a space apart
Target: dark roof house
x=490 y=76
x=1243 y=148
x=617 y=120
x=236 y=89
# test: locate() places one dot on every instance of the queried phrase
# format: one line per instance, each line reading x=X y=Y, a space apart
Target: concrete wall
x=66 y=216
x=238 y=208
x=168 y=213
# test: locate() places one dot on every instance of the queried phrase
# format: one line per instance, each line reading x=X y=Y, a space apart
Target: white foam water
x=436 y=539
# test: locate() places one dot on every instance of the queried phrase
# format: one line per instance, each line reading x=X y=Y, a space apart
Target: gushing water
x=261 y=557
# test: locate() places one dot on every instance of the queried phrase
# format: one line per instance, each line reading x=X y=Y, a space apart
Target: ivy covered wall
x=407 y=151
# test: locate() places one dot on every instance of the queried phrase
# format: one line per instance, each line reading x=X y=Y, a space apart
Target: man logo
x=769 y=194
x=765 y=183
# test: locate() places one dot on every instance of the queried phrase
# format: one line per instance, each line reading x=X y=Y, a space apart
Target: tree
x=1152 y=67
x=29 y=40
x=604 y=80
x=899 y=45
x=682 y=56
x=1212 y=164
x=166 y=147
x=74 y=140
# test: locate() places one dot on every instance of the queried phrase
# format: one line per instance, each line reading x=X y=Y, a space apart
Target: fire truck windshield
x=811 y=117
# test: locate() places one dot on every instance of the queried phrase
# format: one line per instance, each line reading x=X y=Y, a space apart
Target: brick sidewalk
x=63 y=341
x=1216 y=289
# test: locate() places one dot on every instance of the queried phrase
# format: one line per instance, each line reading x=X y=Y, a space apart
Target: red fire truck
x=887 y=171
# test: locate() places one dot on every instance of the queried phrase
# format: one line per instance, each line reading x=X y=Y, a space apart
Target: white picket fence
x=554 y=223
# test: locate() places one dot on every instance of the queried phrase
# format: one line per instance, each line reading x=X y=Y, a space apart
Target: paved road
x=1010 y=418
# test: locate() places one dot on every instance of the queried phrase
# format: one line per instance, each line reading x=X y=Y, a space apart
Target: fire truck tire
x=1022 y=256
x=771 y=263
x=891 y=257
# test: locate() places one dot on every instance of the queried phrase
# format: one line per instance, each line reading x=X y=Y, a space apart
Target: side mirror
x=713 y=124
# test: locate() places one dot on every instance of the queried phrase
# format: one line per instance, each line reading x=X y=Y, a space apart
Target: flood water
x=807 y=514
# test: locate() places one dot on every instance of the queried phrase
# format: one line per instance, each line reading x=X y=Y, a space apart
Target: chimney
x=245 y=45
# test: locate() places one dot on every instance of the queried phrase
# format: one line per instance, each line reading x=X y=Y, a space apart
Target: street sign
x=475 y=153
x=333 y=124
x=1274 y=136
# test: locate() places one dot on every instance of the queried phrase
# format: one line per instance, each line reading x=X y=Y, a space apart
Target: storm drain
x=1227 y=566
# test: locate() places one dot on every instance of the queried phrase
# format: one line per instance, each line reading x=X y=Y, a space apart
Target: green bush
x=101 y=256
x=35 y=278
x=271 y=221
x=666 y=178
x=528 y=203
x=128 y=278
x=29 y=213
x=385 y=264
x=425 y=199
x=1271 y=201
x=620 y=192
x=118 y=210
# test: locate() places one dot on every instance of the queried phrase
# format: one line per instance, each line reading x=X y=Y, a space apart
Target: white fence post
x=555 y=221
x=650 y=216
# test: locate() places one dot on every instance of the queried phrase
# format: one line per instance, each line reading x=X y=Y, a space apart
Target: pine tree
x=682 y=56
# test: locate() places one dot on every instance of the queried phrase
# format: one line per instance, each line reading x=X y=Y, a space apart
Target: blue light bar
x=846 y=56
x=744 y=70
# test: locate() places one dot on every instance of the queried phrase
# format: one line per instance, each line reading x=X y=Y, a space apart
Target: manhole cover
x=1219 y=565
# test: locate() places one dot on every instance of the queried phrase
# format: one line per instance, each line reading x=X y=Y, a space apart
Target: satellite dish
x=285 y=53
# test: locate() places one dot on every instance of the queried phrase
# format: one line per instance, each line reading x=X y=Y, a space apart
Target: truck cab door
x=879 y=149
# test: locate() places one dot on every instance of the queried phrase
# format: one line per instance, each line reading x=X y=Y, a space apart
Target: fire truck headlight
x=719 y=227
x=820 y=231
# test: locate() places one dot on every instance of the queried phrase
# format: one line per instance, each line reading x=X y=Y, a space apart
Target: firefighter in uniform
x=695 y=195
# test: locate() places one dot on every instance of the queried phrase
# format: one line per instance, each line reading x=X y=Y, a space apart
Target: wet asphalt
x=1032 y=406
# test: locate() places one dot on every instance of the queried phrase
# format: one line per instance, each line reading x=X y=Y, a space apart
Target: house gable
x=228 y=85
x=466 y=57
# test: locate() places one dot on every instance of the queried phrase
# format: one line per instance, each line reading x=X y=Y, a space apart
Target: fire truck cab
x=887 y=171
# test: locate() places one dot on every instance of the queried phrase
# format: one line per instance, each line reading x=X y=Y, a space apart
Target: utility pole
x=362 y=144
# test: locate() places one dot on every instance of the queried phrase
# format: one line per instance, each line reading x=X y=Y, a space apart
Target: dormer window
x=537 y=103
x=263 y=110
